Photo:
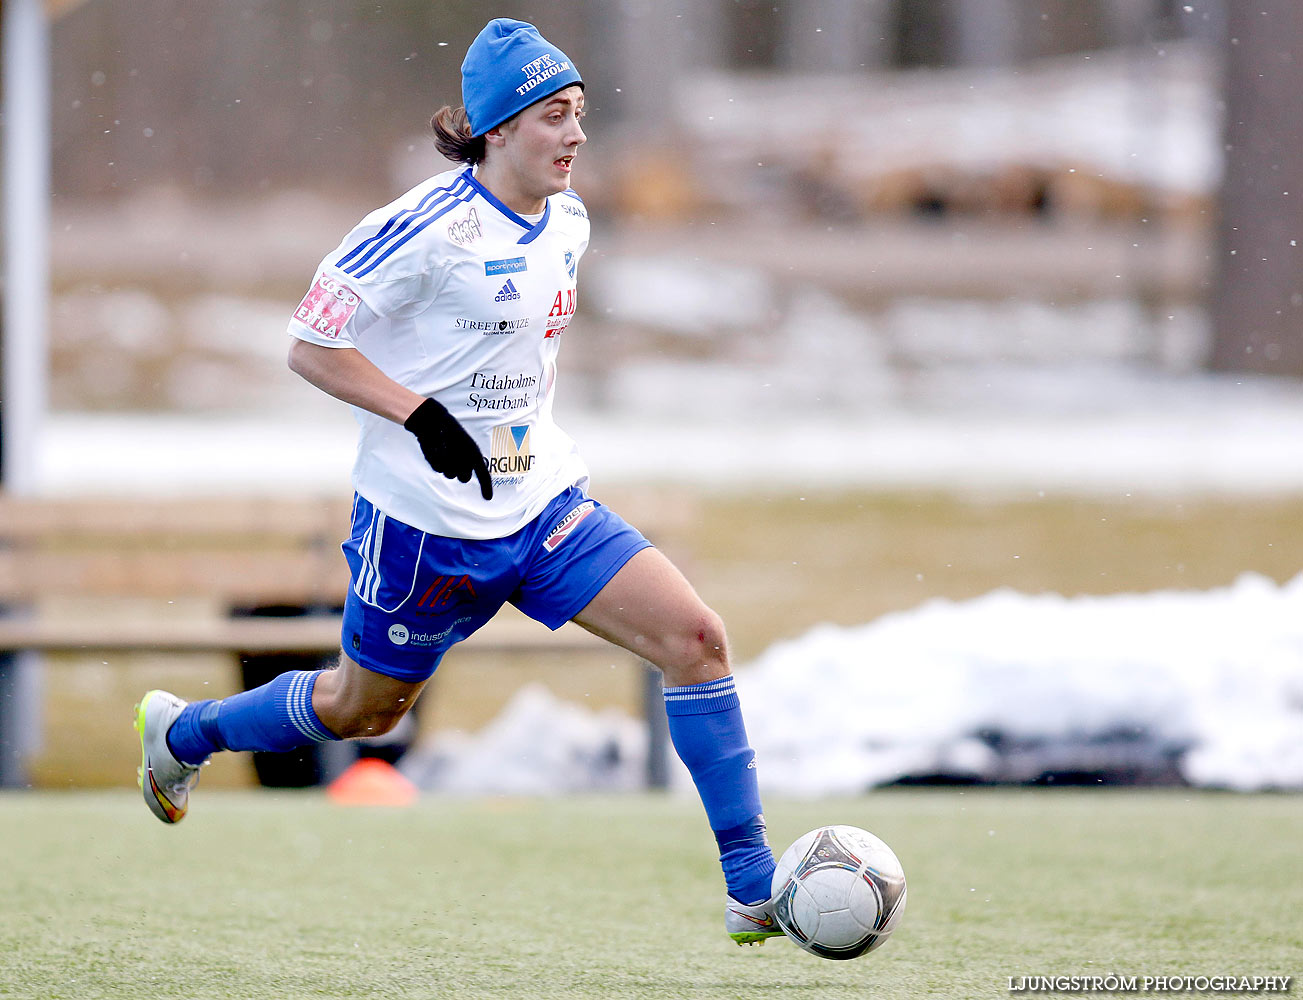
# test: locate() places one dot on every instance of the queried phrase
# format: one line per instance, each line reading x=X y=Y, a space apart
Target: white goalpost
x=24 y=338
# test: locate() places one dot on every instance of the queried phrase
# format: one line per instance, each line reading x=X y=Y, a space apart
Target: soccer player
x=439 y=319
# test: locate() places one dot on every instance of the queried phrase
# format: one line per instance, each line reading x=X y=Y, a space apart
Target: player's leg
x=586 y=564
x=649 y=608
x=176 y=737
x=356 y=703
x=295 y=709
x=409 y=600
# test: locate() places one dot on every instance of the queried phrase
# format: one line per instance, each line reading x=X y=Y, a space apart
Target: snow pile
x=1205 y=687
x=987 y=689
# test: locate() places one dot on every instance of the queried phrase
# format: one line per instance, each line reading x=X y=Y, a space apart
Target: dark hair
x=452 y=136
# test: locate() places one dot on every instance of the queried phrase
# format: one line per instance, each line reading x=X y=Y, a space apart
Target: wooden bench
x=235 y=557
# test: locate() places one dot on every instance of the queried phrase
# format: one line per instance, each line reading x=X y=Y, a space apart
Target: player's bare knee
x=711 y=642
x=697 y=652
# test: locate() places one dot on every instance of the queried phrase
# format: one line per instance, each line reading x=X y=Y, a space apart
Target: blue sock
x=710 y=738
x=276 y=716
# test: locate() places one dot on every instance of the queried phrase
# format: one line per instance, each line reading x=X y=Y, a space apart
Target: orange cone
x=372 y=782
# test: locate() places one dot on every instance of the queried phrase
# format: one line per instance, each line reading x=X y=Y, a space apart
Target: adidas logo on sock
x=507 y=293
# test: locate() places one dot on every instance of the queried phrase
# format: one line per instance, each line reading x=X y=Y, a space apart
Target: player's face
x=538 y=147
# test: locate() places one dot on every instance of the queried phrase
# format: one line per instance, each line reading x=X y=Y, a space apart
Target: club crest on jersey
x=507 y=293
x=329 y=304
x=466 y=230
x=568 y=524
x=509 y=450
x=570 y=263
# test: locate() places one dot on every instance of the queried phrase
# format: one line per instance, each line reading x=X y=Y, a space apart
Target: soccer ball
x=839 y=892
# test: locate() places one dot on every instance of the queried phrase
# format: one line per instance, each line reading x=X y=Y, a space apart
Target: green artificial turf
x=287 y=896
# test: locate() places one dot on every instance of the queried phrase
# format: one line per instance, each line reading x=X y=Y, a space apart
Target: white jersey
x=452 y=294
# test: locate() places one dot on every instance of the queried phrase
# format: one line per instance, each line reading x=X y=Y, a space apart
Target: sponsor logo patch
x=328 y=305
x=507 y=293
x=564 y=303
x=568 y=524
x=511 y=265
x=493 y=327
x=466 y=230
x=444 y=592
x=493 y=380
x=400 y=635
x=514 y=390
x=563 y=307
x=509 y=450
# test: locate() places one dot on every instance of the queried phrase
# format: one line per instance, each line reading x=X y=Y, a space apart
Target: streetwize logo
x=492 y=327
x=507 y=293
x=568 y=524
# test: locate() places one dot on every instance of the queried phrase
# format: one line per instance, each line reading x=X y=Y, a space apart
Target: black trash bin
x=305 y=766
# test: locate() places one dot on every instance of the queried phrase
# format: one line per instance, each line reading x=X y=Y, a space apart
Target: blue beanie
x=508 y=67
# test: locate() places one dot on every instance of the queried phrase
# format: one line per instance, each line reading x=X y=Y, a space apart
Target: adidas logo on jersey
x=507 y=293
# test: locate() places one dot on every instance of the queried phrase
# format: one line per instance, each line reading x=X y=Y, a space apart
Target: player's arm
x=346 y=374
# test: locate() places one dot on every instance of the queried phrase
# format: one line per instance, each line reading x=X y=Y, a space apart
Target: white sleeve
x=329 y=313
x=339 y=308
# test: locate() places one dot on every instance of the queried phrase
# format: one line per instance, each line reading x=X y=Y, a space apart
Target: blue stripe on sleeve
x=399 y=222
x=358 y=271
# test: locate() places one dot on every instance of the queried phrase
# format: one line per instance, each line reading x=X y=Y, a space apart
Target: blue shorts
x=413 y=595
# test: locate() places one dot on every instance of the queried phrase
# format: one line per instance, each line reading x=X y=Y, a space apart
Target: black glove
x=447 y=447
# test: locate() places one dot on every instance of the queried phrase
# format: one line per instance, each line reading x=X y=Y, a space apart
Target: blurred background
x=897 y=315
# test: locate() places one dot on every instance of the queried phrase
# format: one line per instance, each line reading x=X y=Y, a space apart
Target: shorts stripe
x=371 y=551
x=368 y=569
x=368 y=582
x=377 y=541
